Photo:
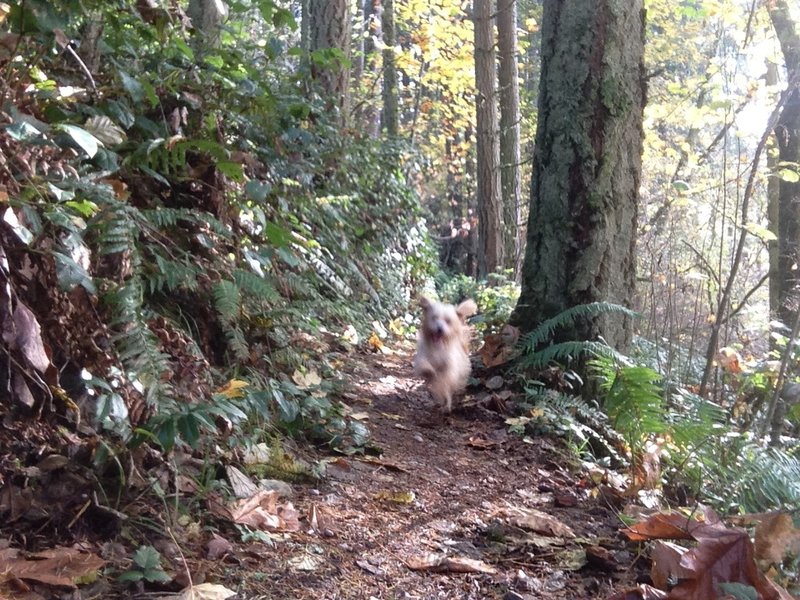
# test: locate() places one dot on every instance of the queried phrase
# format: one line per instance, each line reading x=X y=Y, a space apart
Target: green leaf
x=680 y=186
x=760 y=232
x=257 y=190
x=289 y=409
x=70 y=274
x=156 y=576
x=278 y=236
x=789 y=175
x=85 y=207
x=147 y=557
x=231 y=169
x=131 y=576
x=83 y=138
x=132 y=86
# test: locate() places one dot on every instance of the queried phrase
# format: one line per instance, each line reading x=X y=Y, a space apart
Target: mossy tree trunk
x=510 y=182
x=329 y=34
x=490 y=217
x=787 y=135
x=389 y=114
x=586 y=165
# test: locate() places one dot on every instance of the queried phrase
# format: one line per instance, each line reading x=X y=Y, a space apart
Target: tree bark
x=329 y=29
x=490 y=218
x=389 y=114
x=787 y=135
x=207 y=17
x=586 y=165
x=510 y=156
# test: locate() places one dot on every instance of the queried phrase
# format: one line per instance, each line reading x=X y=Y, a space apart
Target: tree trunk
x=329 y=28
x=207 y=17
x=389 y=115
x=787 y=135
x=510 y=182
x=773 y=215
x=490 y=219
x=586 y=165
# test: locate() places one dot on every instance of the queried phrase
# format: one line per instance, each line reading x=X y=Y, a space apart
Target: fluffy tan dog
x=442 y=349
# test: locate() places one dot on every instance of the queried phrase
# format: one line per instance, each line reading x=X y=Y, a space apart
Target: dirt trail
x=440 y=486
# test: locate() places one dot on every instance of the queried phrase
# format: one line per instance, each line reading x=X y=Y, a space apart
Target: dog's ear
x=466 y=309
x=425 y=303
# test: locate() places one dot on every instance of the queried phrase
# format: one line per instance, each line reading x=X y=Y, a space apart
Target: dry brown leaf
x=538 y=521
x=775 y=534
x=262 y=511
x=442 y=562
x=203 y=591
x=498 y=347
x=241 y=484
x=26 y=336
x=666 y=563
x=640 y=592
x=58 y=566
x=670 y=526
x=481 y=443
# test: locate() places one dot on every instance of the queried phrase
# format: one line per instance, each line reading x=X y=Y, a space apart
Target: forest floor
x=440 y=507
x=446 y=495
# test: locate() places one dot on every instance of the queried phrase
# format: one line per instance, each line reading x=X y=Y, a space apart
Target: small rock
x=284 y=489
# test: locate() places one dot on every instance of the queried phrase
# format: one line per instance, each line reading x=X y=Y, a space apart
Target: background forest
x=212 y=209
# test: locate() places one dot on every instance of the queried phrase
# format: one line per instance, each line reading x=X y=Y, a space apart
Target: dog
x=442 y=357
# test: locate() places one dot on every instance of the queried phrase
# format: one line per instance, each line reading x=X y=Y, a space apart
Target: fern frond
x=136 y=345
x=764 y=479
x=566 y=351
x=227 y=300
x=634 y=403
x=172 y=275
x=255 y=284
x=567 y=318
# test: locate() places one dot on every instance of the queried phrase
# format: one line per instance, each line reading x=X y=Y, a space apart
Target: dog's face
x=442 y=322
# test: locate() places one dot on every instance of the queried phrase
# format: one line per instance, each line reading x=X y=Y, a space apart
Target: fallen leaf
x=306 y=562
x=441 y=562
x=375 y=342
x=640 y=592
x=538 y=521
x=203 y=591
x=369 y=568
x=233 y=389
x=774 y=536
x=262 y=511
x=480 y=443
x=495 y=383
x=241 y=484
x=600 y=557
x=396 y=497
x=26 y=336
x=360 y=416
x=306 y=380
x=665 y=568
x=58 y=566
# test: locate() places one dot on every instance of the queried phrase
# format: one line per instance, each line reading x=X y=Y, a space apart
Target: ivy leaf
x=83 y=138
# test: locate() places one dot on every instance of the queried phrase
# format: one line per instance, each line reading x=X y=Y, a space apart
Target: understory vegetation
x=195 y=244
